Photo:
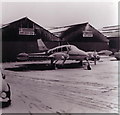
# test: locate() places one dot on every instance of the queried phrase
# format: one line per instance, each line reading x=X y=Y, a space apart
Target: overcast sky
x=51 y=14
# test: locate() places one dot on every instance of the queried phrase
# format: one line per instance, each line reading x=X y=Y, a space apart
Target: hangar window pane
x=87 y=34
x=26 y=31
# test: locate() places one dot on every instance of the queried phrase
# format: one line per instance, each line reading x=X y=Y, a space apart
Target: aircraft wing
x=32 y=56
x=105 y=52
x=41 y=56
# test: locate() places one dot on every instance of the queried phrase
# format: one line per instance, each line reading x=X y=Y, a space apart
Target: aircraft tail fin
x=41 y=45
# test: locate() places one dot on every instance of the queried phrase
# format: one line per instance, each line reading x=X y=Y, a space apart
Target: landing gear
x=81 y=63
x=88 y=66
x=95 y=59
x=52 y=60
x=53 y=64
x=64 y=61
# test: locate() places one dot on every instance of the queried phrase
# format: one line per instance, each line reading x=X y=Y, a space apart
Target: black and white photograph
x=59 y=57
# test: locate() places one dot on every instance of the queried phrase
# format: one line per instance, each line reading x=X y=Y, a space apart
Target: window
x=87 y=34
x=55 y=50
x=69 y=48
x=59 y=49
x=64 y=49
x=26 y=31
x=50 y=52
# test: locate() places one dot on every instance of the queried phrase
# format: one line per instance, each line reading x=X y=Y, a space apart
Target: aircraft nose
x=83 y=54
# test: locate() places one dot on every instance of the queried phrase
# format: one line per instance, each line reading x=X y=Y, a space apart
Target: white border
x=60 y=1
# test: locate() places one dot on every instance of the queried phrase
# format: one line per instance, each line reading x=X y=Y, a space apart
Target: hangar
x=21 y=36
x=85 y=37
x=114 y=43
x=113 y=35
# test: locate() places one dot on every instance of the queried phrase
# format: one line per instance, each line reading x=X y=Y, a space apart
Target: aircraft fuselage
x=72 y=51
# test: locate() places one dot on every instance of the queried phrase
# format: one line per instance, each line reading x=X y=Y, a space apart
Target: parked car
x=5 y=92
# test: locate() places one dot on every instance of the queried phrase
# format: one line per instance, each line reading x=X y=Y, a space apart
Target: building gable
x=26 y=30
x=83 y=33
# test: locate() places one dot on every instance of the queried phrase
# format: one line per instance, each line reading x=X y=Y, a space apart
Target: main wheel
x=89 y=67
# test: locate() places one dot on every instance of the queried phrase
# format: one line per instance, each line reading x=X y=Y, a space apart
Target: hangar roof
x=83 y=33
x=28 y=29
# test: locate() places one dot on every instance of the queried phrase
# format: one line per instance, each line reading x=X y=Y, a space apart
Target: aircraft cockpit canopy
x=59 y=49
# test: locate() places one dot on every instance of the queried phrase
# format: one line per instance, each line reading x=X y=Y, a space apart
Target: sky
x=54 y=14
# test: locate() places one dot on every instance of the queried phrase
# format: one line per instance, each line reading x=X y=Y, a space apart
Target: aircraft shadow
x=42 y=67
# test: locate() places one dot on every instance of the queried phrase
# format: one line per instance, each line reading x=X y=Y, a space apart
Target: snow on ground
x=68 y=90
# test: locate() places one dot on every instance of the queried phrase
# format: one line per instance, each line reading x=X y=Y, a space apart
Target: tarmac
x=37 y=88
